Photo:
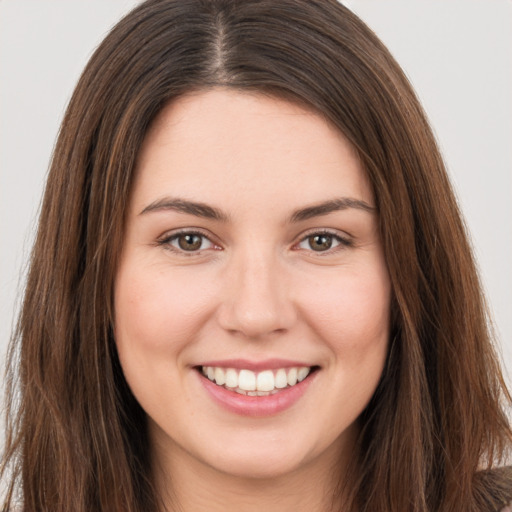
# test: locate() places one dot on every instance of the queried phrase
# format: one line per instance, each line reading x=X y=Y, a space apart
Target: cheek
x=156 y=310
x=157 y=316
x=350 y=313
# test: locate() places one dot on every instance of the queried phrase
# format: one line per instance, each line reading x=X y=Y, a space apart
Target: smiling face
x=251 y=265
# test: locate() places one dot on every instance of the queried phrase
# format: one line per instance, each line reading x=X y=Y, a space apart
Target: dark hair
x=76 y=436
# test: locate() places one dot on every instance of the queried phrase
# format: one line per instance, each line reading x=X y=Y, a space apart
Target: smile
x=264 y=383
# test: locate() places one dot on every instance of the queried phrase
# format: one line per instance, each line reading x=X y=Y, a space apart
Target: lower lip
x=257 y=405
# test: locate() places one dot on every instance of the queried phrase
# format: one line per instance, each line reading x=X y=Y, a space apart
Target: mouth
x=256 y=384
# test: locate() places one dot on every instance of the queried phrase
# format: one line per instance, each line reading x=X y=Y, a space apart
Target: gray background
x=457 y=54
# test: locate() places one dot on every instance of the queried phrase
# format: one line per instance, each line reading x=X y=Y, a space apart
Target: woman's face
x=251 y=255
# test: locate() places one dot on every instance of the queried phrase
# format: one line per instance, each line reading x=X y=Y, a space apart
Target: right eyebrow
x=184 y=206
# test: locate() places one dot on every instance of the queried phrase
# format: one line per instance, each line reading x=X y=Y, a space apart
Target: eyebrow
x=333 y=205
x=210 y=212
x=184 y=206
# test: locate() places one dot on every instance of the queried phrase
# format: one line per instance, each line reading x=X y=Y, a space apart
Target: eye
x=187 y=241
x=322 y=242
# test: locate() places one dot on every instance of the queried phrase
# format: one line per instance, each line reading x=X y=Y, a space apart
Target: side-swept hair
x=76 y=437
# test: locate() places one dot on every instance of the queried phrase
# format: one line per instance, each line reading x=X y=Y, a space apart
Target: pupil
x=189 y=242
x=320 y=242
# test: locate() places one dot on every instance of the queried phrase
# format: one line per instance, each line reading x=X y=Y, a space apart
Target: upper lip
x=255 y=366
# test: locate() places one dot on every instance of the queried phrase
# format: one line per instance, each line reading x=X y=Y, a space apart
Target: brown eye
x=323 y=241
x=187 y=242
x=320 y=242
x=190 y=242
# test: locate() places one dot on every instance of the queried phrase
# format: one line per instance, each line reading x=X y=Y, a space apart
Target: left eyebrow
x=333 y=205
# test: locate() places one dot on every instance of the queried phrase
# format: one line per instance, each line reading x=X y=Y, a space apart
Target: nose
x=257 y=301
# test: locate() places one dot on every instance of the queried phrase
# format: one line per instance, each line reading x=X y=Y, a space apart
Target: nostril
x=256 y=303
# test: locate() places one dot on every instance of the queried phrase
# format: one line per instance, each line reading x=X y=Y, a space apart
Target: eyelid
x=168 y=236
x=344 y=241
x=165 y=239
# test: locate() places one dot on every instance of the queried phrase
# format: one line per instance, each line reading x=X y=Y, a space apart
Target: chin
x=271 y=454
x=263 y=465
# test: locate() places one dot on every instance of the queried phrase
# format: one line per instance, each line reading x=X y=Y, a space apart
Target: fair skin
x=226 y=264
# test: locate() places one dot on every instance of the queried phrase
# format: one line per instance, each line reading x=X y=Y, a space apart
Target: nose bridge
x=257 y=302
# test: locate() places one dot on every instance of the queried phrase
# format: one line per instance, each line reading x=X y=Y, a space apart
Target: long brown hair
x=76 y=437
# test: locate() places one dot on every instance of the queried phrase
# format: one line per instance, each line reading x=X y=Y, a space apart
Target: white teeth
x=281 y=380
x=220 y=376
x=302 y=373
x=247 y=382
x=231 y=378
x=291 y=377
x=265 y=381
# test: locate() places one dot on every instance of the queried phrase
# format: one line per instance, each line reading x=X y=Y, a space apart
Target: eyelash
x=167 y=240
x=343 y=242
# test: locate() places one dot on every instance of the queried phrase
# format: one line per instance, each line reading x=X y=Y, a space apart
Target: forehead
x=223 y=143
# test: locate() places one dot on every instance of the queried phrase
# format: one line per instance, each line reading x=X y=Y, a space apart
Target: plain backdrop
x=457 y=54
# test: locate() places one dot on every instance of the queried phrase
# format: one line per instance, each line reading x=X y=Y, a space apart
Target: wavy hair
x=76 y=437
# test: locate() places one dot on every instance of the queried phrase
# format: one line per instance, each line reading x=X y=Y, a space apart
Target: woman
x=251 y=287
